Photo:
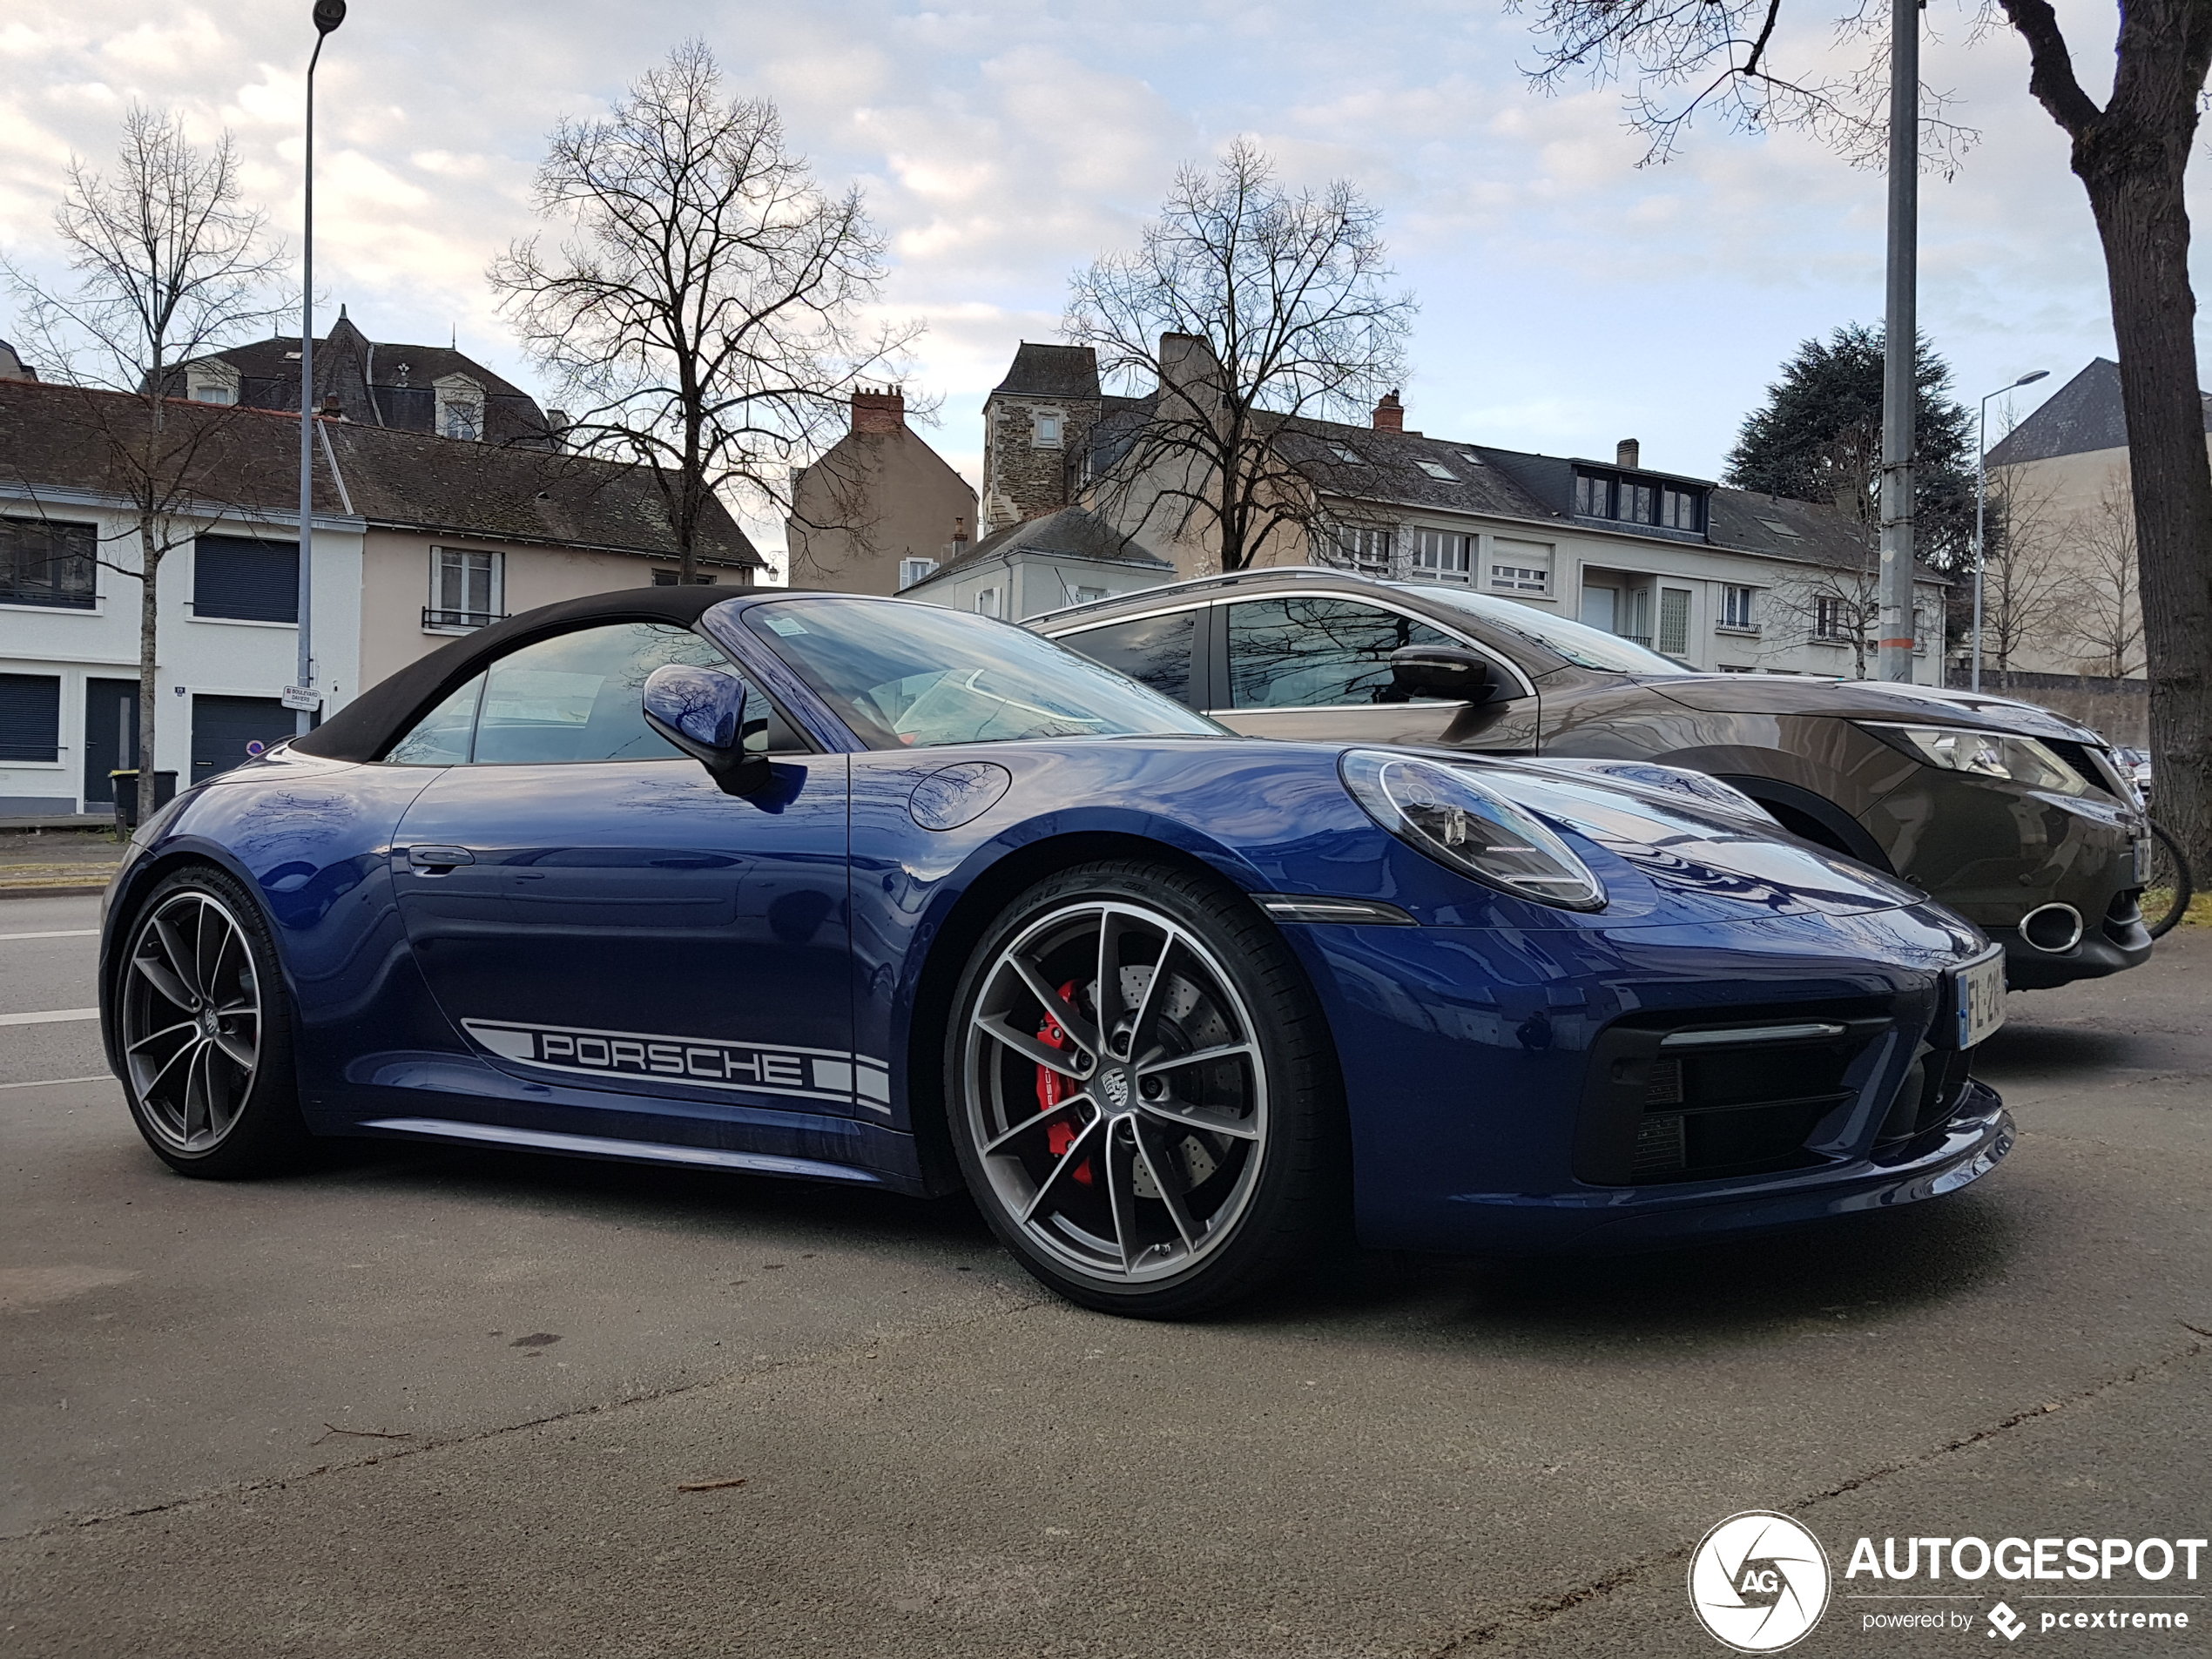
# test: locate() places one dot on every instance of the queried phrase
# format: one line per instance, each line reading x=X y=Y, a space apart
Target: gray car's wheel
x=1143 y=1094
x=204 y=1032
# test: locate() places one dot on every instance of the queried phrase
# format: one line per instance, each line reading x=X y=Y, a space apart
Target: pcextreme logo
x=1758 y=1582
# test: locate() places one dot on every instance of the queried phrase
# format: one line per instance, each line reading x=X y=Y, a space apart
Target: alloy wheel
x=1116 y=1095
x=191 y=1021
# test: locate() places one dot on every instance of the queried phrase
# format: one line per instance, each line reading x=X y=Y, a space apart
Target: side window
x=1303 y=652
x=1153 y=651
x=575 y=698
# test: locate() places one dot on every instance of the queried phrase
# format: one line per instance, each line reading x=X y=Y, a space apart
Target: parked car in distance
x=2136 y=763
x=2023 y=822
x=871 y=891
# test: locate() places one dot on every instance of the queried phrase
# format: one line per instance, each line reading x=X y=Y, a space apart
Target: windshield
x=907 y=675
x=1579 y=643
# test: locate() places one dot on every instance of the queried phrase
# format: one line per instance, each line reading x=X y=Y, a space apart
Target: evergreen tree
x=1819 y=437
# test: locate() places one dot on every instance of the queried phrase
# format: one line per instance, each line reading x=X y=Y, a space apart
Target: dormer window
x=461 y=407
x=211 y=382
x=1044 y=431
x=1630 y=500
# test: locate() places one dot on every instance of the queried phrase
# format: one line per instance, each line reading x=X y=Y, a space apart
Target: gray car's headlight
x=1989 y=754
x=1447 y=814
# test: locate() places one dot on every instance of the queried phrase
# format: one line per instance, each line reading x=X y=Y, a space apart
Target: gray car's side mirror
x=701 y=710
x=1450 y=672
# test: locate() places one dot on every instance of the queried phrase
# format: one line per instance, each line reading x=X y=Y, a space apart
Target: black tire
x=1213 y=1176
x=197 y=984
x=2167 y=889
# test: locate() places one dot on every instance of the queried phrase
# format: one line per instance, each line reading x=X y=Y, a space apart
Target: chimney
x=330 y=411
x=1188 y=364
x=880 y=414
x=1628 y=453
x=1390 y=414
x=958 y=545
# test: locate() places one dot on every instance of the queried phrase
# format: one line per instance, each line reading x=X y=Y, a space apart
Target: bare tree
x=2025 y=581
x=2132 y=156
x=1250 y=307
x=704 y=313
x=170 y=265
x=2103 y=614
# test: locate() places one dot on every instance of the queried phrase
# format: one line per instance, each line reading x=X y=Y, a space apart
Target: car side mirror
x=701 y=710
x=1449 y=672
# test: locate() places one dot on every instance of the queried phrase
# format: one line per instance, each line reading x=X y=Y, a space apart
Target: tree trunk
x=2134 y=182
x=149 y=634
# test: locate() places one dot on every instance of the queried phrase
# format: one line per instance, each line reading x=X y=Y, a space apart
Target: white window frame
x=1739 y=608
x=1445 y=556
x=457 y=395
x=1048 y=429
x=914 y=570
x=439 y=617
x=987 y=603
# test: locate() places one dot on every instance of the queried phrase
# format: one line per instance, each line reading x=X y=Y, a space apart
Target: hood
x=1864 y=700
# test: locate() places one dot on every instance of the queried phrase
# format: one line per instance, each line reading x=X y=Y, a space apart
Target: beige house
x=880 y=510
x=2061 y=592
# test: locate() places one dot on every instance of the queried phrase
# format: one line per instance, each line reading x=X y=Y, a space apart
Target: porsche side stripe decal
x=703 y=1063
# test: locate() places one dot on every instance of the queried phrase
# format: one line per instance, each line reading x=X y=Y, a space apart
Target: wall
x=1020 y=479
x=198 y=657
x=395 y=587
x=1029 y=583
x=877 y=498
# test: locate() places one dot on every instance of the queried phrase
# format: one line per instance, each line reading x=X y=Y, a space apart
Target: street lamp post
x=328 y=15
x=1981 y=498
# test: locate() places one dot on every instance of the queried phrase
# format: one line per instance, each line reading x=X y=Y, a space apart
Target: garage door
x=222 y=726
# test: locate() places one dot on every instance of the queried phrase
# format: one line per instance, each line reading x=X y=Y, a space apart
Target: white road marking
x=50 y=1017
x=65 y=933
x=51 y=1083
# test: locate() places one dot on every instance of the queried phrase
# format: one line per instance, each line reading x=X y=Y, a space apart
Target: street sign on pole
x=305 y=698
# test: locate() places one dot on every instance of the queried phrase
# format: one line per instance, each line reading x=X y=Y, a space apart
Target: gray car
x=2021 y=821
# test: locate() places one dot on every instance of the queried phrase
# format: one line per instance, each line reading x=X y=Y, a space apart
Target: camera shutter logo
x=1759 y=1582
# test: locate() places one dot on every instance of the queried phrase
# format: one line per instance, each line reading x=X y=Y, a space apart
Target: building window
x=1437 y=469
x=1520 y=567
x=1443 y=555
x=1358 y=547
x=987 y=603
x=459 y=407
x=30 y=717
x=207 y=391
x=464 y=590
x=1919 y=631
x=913 y=571
x=1044 y=432
x=1630 y=500
x=1345 y=453
x=241 y=580
x=675 y=578
x=1088 y=595
x=1736 y=609
x=1679 y=510
x=1828 y=619
x=1593 y=496
x=46 y=563
x=1674 y=621
x=1638 y=503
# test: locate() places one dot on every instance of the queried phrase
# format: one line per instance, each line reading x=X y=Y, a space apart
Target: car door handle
x=436 y=860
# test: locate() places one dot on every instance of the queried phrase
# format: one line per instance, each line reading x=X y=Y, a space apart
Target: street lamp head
x=2028 y=379
x=328 y=15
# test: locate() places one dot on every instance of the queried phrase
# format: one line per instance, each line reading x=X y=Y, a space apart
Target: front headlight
x=1446 y=814
x=1988 y=754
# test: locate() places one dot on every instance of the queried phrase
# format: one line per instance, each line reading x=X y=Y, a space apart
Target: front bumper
x=1474 y=1060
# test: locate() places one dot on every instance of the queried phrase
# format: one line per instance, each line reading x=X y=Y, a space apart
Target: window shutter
x=30 y=717
x=242 y=580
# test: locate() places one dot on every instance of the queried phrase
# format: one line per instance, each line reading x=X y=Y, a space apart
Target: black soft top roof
x=379 y=717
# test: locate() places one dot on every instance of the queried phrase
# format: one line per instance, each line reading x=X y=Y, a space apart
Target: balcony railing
x=459 y=621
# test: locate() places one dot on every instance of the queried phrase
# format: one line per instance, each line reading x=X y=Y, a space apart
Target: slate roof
x=1072 y=532
x=54 y=437
x=2082 y=416
x=1051 y=371
x=377 y=383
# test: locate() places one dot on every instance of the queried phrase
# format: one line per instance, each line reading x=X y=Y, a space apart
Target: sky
x=1568 y=296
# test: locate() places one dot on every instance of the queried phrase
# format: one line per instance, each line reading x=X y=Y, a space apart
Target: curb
x=69 y=891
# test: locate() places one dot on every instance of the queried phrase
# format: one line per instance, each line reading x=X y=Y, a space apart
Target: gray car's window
x=1152 y=651
x=1580 y=644
x=1301 y=652
x=578 y=696
x=905 y=675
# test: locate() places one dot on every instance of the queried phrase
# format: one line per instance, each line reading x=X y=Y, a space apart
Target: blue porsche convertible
x=864 y=890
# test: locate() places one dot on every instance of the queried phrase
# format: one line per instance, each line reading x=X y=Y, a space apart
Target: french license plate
x=1977 y=992
x=2142 y=860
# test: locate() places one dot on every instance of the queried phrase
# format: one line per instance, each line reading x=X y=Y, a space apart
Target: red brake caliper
x=1052 y=1089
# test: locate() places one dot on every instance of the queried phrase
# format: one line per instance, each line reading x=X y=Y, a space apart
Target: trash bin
x=127 y=795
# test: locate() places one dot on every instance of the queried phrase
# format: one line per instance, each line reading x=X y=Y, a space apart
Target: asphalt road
x=433 y=1403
